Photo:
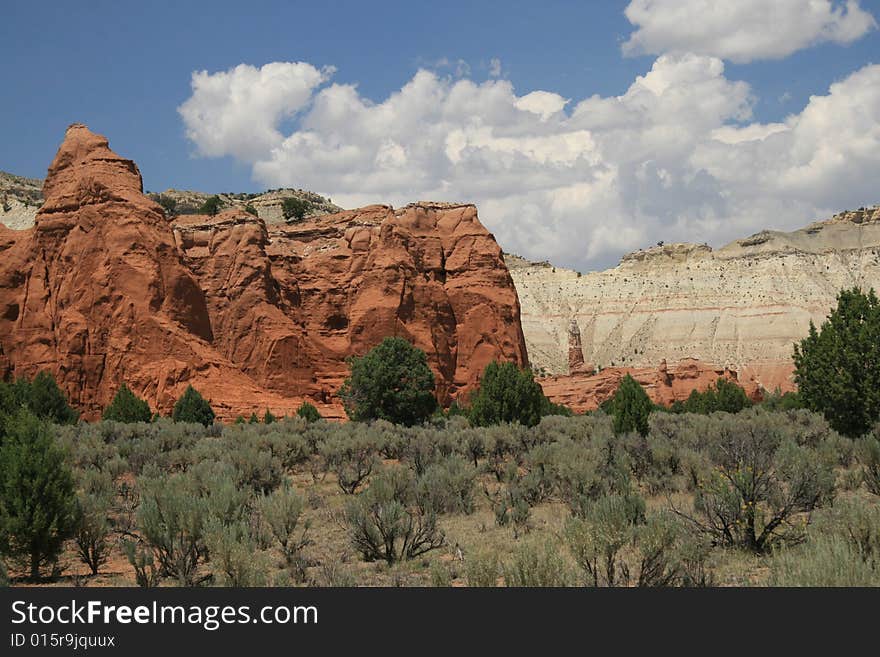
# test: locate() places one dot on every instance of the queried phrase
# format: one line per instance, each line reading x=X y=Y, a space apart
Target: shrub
x=351 y=459
x=536 y=565
x=192 y=407
x=391 y=382
x=175 y=514
x=823 y=561
x=4 y=576
x=281 y=512
x=211 y=206
x=630 y=407
x=126 y=407
x=868 y=451
x=146 y=573
x=385 y=524
x=597 y=538
x=250 y=209
x=235 y=558
x=724 y=395
x=37 y=499
x=308 y=412
x=93 y=525
x=268 y=418
x=762 y=478
x=837 y=369
x=295 y=209
x=508 y=394
x=448 y=486
x=483 y=569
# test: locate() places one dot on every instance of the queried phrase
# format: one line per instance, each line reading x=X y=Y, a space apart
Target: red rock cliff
x=104 y=289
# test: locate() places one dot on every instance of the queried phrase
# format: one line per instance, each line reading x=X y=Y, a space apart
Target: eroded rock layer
x=740 y=307
x=583 y=391
x=104 y=289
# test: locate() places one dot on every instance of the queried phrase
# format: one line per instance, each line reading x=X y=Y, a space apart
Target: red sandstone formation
x=104 y=290
x=664 y=385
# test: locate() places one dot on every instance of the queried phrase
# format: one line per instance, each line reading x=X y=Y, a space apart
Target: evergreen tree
x=308 y=412
x=192 y=407
x=509 y=394
x=630 y=407
x=127 y=407
x=37 y=499
x=837 y=368
x=391 y=382
x=211 y=206
x=268 y=418
x=46 y=400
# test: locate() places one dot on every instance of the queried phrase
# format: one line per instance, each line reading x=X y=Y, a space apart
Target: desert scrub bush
x=842 y=549
x=350 y=457
x=385 y=522
x=483 y=569
x=598 y=536
x=37 y=498
x=447 y=486
x=281 y=513
x=235 y=557
x=175 y=511
x=511 y=507
x=441 y=575
x=146 y=572
x=93 y=523
x=536 y=564
x=762 y=485
x=868 y=451
x=822 y=561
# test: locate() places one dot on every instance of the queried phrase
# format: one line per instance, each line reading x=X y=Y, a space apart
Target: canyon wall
x=739 y=308
x=105 y=289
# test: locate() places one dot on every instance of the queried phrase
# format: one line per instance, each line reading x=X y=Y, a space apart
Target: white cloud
x=237 y=112
x=676 y=157
x=494 y=68
x=742 y=30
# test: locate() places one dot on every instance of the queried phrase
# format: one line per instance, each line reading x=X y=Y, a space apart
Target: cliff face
x=104 y=289
x=740 y=307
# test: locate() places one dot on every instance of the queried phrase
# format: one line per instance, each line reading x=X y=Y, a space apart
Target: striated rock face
x=740 y=307
x=104 y=289
x=664 y=385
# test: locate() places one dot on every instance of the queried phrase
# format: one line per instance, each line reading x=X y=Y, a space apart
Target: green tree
x=509 y=394
x=127 y=407
x=295 y=209
x=169 y=205
x=42 y=397
x=268 y=417
x=37 y=499
x=630 y=407
x=391 y=382
x=837 y=368
x=211 y=206
x=308 y=412
x=192 y=407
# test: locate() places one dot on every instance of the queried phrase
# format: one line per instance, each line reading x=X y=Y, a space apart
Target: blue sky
x=124 y=68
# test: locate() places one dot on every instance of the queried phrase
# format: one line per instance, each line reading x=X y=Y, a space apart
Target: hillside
x=740 y=306
x=20 y=198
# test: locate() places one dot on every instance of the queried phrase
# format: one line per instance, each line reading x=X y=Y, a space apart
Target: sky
x=581 y=130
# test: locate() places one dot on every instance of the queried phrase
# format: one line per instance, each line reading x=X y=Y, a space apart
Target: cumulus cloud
x=743 y=30
x=677 y=157
x=237 y=112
